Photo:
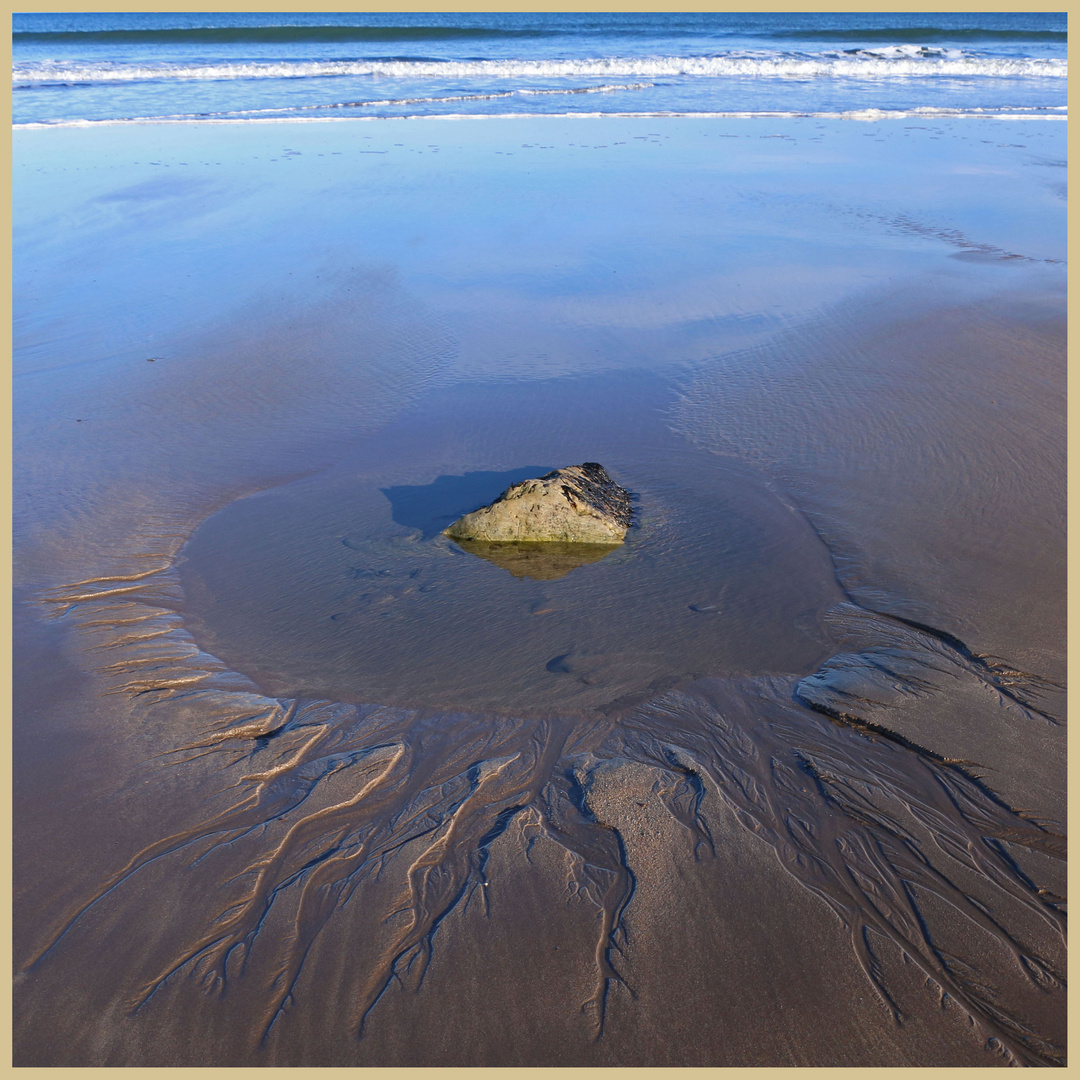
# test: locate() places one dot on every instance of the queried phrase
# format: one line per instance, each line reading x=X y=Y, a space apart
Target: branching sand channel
x=396 y=810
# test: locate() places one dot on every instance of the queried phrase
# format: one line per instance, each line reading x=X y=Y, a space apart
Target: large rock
x=580 y=504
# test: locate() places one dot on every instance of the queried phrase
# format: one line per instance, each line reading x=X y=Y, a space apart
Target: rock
x=580 y=504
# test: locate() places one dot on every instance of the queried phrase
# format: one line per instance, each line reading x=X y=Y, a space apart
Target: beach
x=779 y=781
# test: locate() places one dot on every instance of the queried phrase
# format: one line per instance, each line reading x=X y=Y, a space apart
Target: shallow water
x=314 y=589
x=277 y=787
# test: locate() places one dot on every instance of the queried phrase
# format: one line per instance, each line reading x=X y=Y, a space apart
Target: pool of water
x=341 y=586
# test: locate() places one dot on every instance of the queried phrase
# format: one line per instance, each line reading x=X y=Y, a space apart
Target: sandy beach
x=780 y=781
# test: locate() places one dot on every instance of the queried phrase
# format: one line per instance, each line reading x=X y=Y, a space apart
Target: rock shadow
x=431 y=507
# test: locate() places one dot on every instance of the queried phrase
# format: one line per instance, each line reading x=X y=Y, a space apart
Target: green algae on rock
x=580 y=504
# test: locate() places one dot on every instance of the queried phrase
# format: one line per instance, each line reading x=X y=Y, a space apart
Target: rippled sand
x=779 y=781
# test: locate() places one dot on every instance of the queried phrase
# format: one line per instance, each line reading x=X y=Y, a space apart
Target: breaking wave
x=901 y=61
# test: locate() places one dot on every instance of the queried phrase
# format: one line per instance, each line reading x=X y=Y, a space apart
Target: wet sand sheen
x=745 y=724
x=422 y=799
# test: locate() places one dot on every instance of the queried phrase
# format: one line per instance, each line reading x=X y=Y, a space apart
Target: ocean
x=82 y=68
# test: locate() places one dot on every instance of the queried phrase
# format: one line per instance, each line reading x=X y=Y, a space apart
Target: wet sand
x=299 y=782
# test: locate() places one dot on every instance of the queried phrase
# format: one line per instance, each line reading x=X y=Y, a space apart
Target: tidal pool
x=340 y=585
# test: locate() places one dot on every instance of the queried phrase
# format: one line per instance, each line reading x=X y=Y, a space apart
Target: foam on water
x=290 y=117
x=873 y=65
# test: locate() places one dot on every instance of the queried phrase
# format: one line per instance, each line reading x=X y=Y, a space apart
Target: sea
x=137 y=67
